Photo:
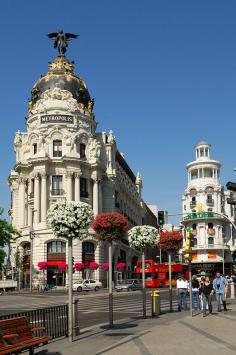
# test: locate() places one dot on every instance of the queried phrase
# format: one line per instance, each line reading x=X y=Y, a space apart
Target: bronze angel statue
x=61 y=40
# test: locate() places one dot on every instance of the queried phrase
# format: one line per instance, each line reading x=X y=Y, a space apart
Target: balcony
x=193 y=204
x=210 y=247
x=57 y=192
x=210 y=202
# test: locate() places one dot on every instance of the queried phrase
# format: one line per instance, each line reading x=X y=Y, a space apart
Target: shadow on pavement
x=119 y=326
x=46 y=352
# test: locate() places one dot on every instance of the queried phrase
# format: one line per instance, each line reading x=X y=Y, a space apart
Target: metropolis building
x=62 y=157
x=207 y=213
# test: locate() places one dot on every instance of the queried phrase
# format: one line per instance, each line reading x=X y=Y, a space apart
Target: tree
x=110 y=227
x=171 y=242
x=70 y=220
x=141 y=237
x=6 y=231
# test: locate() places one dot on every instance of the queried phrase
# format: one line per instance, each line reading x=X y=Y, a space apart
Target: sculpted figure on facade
x=111 y=138
x=18 y=145
x=94 y=150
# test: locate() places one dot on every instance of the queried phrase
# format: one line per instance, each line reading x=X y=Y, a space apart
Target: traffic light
x=189 y=243
x=161 y=218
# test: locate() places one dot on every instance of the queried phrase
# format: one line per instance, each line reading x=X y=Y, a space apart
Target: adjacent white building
x=204 y=204
x=61 y=156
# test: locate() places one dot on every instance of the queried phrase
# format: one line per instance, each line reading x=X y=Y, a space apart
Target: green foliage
x=6 y=231
x=2 y=256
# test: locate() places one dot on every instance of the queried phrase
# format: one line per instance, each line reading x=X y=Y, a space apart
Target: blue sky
x=163 y=74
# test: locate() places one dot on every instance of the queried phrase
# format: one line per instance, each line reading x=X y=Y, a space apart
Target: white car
x=87 y=285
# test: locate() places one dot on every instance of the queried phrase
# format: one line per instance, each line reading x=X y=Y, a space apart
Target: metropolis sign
x=57 y=119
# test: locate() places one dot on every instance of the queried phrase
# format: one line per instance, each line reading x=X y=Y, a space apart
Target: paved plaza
x=170 y=334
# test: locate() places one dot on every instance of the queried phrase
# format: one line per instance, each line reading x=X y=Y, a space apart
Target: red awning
x=56 y=262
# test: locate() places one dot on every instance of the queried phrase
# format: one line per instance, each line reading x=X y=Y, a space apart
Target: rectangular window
x=35 y=148
x=83 y=187
x=209 y=198
x=57 y=185
x=57 y=148
x=82 y=148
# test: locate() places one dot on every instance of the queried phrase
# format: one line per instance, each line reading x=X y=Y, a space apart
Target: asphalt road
x=93 y=306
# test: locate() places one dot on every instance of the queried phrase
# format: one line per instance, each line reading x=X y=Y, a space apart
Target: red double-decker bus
x=157 y=275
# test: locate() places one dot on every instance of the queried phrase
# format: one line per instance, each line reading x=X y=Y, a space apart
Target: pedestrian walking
x=220 y=285
x=195 y=293
x=207 y=290
x=181 y=289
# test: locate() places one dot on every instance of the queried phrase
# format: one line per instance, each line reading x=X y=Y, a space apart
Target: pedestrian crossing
x=122 y=304
x=128 y=305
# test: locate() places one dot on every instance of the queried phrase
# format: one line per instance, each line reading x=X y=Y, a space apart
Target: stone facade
x=204 y=206
x=62 y=157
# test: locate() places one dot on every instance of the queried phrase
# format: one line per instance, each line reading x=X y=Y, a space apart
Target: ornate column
x=77 y=185
x=21 y=205
x=100 y=196
x=95 y=193
x=36 y=198
x=69 y=176
x=43 y=197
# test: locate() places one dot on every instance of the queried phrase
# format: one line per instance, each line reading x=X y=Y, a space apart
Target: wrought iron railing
x=54 y=319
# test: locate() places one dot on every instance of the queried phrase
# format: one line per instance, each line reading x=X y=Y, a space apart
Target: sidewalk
x=170 y=334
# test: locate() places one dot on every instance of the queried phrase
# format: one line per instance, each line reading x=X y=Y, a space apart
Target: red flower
x=105 y=266
x=42 y=265
x=110 y=226
x=79 y=266
x=120 y=266
x=171 y=241
x=93 y=265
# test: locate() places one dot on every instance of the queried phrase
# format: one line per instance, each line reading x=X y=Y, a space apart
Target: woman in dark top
x=206 y=290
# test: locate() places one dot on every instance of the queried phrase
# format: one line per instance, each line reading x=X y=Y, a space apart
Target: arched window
x=194 y=226
x=26 y=249
x=210 y=225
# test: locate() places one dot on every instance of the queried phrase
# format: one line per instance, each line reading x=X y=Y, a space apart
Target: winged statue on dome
x=61 y=40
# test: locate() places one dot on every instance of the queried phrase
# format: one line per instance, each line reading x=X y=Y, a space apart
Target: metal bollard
x=232 y=290
x=156 y=303
x=76 y=330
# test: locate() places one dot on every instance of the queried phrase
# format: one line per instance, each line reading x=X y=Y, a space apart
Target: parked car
x=87 y=285
x=129 y=285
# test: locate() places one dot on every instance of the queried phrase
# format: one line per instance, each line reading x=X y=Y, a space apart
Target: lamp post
x=31 y=235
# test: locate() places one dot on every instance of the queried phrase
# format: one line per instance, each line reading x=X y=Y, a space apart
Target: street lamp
x=31 y=235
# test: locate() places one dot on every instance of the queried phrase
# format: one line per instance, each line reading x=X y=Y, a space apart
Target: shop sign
x=57 y=119
x=199 y=215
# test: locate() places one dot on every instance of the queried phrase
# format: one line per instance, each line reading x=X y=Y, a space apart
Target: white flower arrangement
x=141 y=237
x=70 y=219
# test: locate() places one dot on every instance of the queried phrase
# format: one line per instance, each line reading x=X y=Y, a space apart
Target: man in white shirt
x=181 y=289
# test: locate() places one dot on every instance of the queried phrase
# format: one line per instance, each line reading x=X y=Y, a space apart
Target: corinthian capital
x=36 y=176
x=77 y=174
x=69 y=174
x=95 y=176
x=22 y=180
x=44 y=175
